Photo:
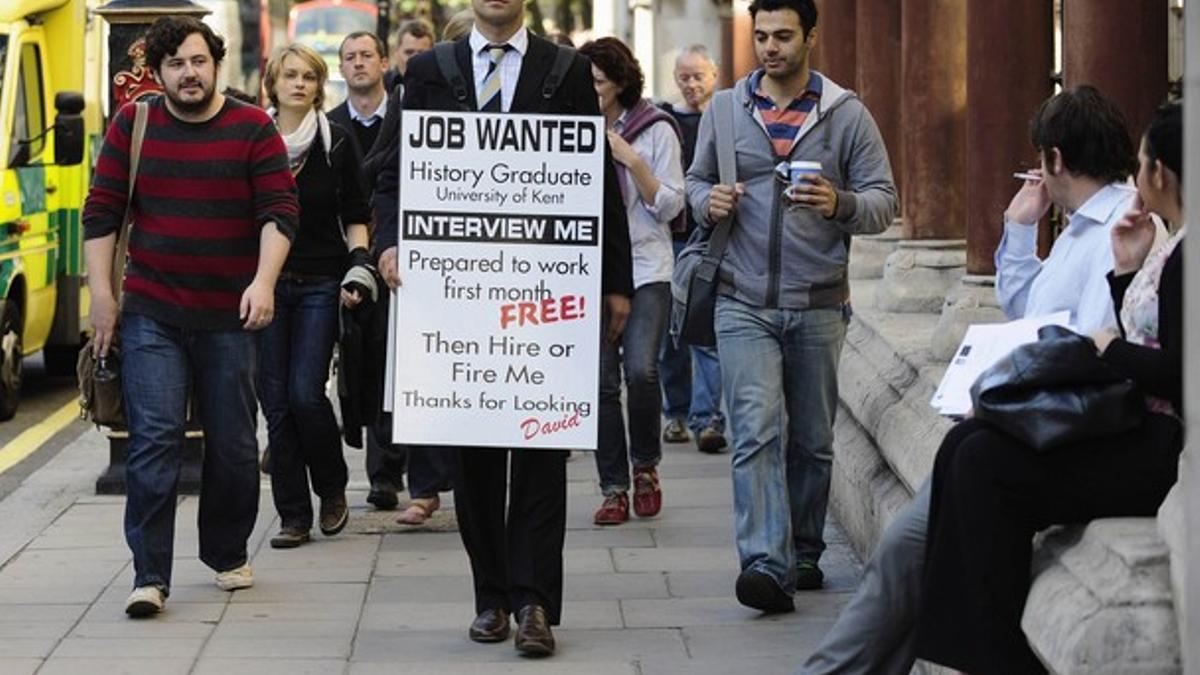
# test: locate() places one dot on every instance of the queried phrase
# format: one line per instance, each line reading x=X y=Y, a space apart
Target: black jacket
x=332 y=197
x=373 y=157
x=362 y=364
x=426 y=89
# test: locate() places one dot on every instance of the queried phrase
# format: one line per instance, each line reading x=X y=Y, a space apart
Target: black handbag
x=694 y=282
x=1057 y=391
x=101 y=399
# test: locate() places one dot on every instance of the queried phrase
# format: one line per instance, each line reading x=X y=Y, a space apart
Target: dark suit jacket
x=426 y=89
x=374 y=156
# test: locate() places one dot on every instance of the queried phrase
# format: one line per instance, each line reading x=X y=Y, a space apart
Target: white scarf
x=299 y=141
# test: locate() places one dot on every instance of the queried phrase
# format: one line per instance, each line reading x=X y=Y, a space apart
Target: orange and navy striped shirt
x=784 y=123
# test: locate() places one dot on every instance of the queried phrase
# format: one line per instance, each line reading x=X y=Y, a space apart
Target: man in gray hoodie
x=783 y=294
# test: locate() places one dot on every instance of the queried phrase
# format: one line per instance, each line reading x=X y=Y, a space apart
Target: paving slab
x=724 y=666
x=51 y=595
x=124 y=666
x=690 y=559
x=122 y=648
x=264 y=666
x=270 y=590
x=421 y=541
x=229 y=645
x=122 y=627
x=687 y=536
x=683 y=612
x=19 y=666
x=34 y=613
x=27 y=647
x=35 y=629
x=523 y=667
x=292 y=611
x=614 y=586
x=449 y=588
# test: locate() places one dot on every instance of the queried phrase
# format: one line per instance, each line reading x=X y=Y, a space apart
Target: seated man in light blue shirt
x=1086 y=160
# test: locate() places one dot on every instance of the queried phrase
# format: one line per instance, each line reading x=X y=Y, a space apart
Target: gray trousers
x=876 y=633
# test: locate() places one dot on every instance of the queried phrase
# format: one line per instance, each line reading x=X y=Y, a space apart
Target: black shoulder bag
x=1055 y=392
x=694 y=283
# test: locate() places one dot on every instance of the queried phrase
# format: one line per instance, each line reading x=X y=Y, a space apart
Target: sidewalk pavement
x=651 y=597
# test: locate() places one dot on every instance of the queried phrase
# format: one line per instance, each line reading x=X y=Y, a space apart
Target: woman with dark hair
x=327 y=261
x=991 y=493
x=646 y=148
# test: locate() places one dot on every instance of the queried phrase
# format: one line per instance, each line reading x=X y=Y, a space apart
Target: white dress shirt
x=510 y=63
x=1073 y=276
x=368 y=120
x=650 y=226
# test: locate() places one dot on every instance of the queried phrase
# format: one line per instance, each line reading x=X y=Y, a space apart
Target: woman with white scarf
x=328 y=262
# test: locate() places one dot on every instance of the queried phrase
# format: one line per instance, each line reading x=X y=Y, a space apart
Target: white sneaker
x=145 y=601
x=235 y=579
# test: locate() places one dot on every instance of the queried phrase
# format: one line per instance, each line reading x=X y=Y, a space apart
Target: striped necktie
x=489 y=95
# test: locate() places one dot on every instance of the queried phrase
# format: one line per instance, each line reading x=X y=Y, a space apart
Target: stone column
x=877 y=81
x=743 y=60
x=877 y=62
x=834 y=53
x=724 y=57
x=933 y=96
x=1119 y=47
x=1006 y=80
x=1188 y=579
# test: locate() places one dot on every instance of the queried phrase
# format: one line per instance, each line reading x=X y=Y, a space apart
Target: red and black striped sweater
x=203 y=192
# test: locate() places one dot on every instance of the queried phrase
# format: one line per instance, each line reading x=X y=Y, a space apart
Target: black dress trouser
x=516 y=554
x=991 y=493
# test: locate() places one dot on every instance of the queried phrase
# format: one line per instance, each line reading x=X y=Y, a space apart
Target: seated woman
x=991 y=493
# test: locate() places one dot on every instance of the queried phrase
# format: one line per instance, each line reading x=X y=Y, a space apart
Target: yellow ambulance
x=50 y=121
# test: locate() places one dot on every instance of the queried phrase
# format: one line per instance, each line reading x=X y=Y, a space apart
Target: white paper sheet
x=982 y=346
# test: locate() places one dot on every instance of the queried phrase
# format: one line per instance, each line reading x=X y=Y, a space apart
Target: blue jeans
x=294 y=354
x=638 y=349
x=780 y=366
x=691 y=381
x=159 y=362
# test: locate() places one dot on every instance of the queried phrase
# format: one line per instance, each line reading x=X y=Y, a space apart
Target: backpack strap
x=141 y=112
x=444 y=51
x=725 y=126
x=558 y=72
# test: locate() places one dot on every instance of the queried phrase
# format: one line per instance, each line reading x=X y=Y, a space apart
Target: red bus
x=319 y=22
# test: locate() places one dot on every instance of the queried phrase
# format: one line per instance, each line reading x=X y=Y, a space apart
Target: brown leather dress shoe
x=533 y=632
x=490 y=626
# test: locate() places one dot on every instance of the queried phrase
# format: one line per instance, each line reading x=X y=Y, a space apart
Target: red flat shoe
x=647 y=495
x=614 y=510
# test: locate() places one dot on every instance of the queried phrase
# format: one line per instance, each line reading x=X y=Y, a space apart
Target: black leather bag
x=1055 y=392
x=694 y=293
x=694 y=282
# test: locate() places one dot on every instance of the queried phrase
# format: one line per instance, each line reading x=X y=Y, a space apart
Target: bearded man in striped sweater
x=214 y=209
